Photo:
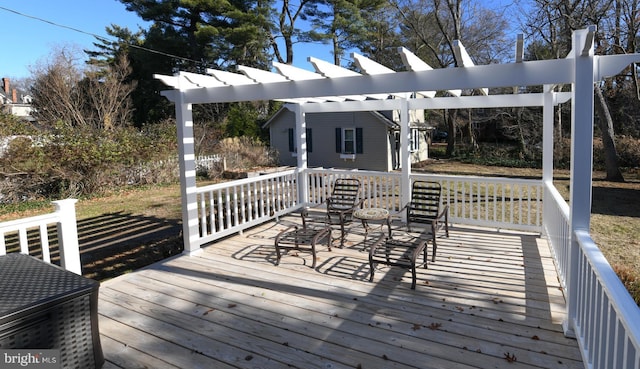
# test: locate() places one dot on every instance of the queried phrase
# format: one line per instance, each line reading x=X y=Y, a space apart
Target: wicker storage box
x=43 y=306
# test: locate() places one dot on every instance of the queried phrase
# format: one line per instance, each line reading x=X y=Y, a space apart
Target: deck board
x=488 y=295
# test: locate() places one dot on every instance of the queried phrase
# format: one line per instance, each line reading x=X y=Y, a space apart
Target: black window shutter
x=359 y=143
x=291 y=141
x=339 y=140
x=309 y=140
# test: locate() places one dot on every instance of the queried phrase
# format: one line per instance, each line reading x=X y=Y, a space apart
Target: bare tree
x=55 y=88
x=433 y=26
x=554 y=21
x=108 y=95
x=286 y=18
x=64 y=91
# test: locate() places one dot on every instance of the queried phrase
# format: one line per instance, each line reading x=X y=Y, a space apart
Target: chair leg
x=425 y=257
x=413 y=277
x=372 y=267
x=435 y=247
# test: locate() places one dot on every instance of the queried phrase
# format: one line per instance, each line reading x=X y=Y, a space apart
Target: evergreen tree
x=343 y=23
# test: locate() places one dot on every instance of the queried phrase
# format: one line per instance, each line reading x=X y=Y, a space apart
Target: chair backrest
x=345 y=193
x=425 y=202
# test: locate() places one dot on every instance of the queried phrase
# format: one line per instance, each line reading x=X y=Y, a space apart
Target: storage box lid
x=27 y=282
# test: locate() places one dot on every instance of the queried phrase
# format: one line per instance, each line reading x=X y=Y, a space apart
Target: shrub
x=72 y=162
x=630 y=280
x=245 y=152
x=628 y=151
x=506 y=155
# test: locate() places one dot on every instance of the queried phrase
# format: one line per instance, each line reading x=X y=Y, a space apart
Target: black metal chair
x=425 y=208
x=340 y=205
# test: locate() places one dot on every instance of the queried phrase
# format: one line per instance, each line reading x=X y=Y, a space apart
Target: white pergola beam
x=232 y=79
x=587 y=42
x=463 y=102
x=371 y=68
x=519 y=48
x=333 y=71
x=298 y=74
x=415 y=64
x=557 y=71
x=463 y=57
x=261 y=76
x=200 y=80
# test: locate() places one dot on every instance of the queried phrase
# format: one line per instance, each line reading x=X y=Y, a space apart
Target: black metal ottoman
x=43 y=306
x=294 y=237
x=393 y=252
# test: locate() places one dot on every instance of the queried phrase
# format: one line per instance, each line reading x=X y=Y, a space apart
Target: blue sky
x=26 y=41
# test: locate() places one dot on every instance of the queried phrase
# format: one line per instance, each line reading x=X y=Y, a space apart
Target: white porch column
x=187 y=162
x=581 y=159
x=405 y=154
x=68 y=233
x=547 y=135
x=301 y=146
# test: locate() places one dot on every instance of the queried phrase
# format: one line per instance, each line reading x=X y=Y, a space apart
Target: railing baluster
x=210 y=208
x=44 y=243
x=24 y=242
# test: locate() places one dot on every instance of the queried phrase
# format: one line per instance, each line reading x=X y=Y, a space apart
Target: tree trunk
x=450 y=117
x=472 y=137
x=606 y=127
x=522 y=144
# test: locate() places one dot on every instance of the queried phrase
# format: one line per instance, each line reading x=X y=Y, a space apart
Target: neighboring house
x=364 y=140
x=11 y=104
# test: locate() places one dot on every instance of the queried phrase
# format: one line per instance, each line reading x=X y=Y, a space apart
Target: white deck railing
x=491 y=201
x=606 y=318
x=556 y=228
x=32 y=236
x=230 y=207
x=485 y=201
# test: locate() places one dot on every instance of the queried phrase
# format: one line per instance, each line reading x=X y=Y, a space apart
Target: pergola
x=332 y=89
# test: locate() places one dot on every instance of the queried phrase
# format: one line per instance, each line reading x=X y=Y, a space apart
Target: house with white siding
x=12 y=104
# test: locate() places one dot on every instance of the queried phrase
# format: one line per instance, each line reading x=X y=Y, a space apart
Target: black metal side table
x=43 y=306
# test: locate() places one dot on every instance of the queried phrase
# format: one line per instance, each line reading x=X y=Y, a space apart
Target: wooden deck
x=491 y=300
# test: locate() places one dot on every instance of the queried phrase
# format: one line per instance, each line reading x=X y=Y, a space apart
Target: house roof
x=377 y=115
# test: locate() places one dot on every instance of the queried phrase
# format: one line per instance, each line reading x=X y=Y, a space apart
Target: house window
x=349 y=141
x=293 y=147
x=415 y=140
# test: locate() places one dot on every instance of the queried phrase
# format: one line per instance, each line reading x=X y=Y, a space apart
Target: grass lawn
x=143 y=225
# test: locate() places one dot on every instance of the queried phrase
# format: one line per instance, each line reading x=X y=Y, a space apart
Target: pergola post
x=581 y=160
x=301 y=146
x=547 y=134
x=405 y=151
x=187 y=163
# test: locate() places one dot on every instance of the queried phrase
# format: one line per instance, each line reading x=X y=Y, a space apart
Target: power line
x=101 y=38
